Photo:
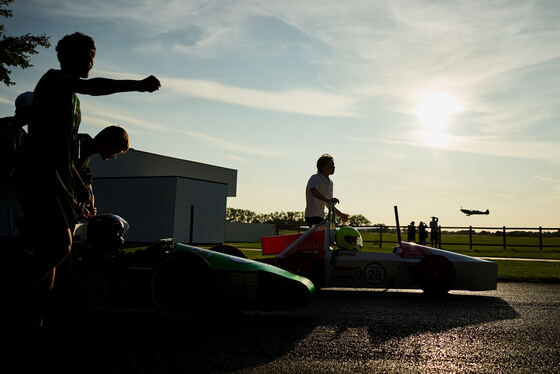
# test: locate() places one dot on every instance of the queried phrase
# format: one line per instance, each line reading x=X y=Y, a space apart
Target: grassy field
x=483 y=245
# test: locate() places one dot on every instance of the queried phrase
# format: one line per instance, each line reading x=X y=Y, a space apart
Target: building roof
x=137 y=163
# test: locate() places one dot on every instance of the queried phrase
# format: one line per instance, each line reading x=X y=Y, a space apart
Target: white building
x=164 y=197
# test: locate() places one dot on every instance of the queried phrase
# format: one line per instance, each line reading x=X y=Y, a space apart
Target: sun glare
x=435 y=108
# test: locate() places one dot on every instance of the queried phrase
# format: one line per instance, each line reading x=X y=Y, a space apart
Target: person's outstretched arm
x=105 y=86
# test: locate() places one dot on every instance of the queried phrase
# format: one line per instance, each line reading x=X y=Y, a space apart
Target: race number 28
x=374 y=273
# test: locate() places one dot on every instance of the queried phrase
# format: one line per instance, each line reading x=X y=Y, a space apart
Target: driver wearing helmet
x=319 y=192
x=348 y=238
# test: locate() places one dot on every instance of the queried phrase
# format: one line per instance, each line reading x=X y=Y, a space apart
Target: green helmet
x=349 y=238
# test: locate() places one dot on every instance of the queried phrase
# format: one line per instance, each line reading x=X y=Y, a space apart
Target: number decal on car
x=374 y=273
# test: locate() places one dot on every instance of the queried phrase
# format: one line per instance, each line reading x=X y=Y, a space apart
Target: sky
x=427 y=105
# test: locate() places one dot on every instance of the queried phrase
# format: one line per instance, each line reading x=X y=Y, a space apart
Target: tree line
x=285 y=218
x=16 y=50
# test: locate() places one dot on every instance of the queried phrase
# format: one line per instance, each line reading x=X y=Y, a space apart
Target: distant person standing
x=319 y=192
x=434 y=232
x=411 y=232
x=422 y=233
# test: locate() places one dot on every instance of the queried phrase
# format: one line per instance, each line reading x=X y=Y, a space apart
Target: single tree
x=16 y=50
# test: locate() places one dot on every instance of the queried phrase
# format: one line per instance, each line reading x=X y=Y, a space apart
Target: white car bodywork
x=401 y=269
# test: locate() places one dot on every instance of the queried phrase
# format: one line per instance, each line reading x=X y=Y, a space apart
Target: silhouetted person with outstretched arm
x=434 y=232
x=45 y=177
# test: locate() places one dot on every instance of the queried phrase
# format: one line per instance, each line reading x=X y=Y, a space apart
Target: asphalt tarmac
x=515 y=329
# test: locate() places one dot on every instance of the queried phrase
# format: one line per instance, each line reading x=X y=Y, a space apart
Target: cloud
x=103 y=116
x=7 y=102
x=487 y=53
x=243 y=148
x=302 y=101
x=489 y=146
x=547 y=179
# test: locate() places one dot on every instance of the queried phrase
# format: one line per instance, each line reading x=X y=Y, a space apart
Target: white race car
x=336 y=261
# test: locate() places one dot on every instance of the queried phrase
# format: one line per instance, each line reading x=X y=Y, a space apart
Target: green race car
x=191 y=279
x=179 y=280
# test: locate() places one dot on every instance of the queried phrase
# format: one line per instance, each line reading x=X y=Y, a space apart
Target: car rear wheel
x=182 y=286
x=228 y=250
x=436 y=275
x=304 y=265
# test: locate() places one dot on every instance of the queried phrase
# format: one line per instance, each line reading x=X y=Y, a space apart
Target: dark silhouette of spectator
x=434 y=232
x=411 y=232
x=422 y=233
x=12 y=135
x=108 y=143
x=45 y=178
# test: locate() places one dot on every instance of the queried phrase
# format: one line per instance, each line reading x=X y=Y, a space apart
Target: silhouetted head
x=76 y=53
x=111 y=141
x=325 y=164
x=24 y=105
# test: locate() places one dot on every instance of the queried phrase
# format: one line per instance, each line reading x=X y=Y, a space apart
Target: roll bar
x=398 y=226
x=326 y=243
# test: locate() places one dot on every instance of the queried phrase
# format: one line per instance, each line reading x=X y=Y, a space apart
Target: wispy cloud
x=243 y=148
x=547 y=179
x=298 y=100
x=481 y=51
x=103 y=116
x=490 y=146
x=500 y=58
x=6 y=101
x=303 y=101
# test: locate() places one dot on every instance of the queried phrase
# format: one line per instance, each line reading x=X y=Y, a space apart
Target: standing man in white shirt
x=319 y=192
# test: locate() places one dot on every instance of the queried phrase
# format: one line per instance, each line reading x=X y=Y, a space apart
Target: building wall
x=209 y=202
x=147 y=204
x=160 y=207
x=247 y=232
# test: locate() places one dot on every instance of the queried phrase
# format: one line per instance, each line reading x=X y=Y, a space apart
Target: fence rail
x=538 y=232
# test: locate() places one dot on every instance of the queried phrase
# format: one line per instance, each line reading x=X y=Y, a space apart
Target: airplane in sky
x=469 y=212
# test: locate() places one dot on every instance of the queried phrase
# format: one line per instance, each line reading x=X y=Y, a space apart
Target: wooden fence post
x=504 y=245
x=540 y=237
x=380 y=236
x=470 y=237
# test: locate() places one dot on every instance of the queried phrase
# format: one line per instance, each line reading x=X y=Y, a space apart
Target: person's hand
x=334 y=200
x=149 y=84
x=87 y=210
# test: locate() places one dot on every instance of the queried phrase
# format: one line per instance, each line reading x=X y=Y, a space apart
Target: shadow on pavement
x=396 y=315
x=122 y=342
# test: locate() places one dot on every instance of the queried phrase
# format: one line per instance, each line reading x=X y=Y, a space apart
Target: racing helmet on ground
x=106 y=231
x=349 y=238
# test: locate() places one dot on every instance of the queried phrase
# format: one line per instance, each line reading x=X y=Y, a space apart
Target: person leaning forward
x=108 y=144
x=45 y=178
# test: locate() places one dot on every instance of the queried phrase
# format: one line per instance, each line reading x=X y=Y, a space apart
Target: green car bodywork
x=191 y=279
